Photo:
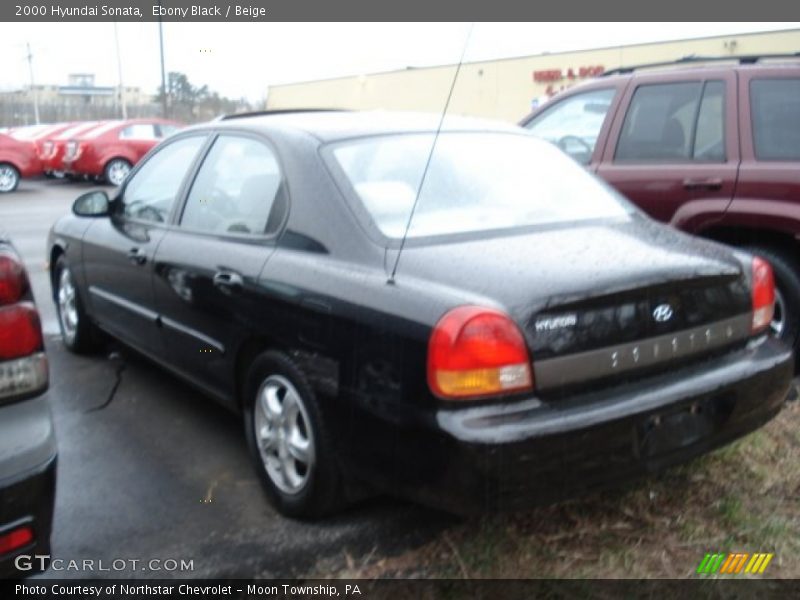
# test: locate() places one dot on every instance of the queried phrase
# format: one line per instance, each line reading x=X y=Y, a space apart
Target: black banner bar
x=238 y=589
x=372 y=10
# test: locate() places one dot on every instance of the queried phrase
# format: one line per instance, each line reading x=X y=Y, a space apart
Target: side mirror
x=92 y=204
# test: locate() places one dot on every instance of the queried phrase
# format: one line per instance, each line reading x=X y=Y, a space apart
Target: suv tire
x=787 y=283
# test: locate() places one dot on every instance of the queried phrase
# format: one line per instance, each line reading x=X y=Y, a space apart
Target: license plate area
x=662 y=433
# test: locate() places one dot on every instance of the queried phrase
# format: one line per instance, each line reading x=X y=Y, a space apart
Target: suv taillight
x=13 y=280
x=763 y=295
x=475 y=352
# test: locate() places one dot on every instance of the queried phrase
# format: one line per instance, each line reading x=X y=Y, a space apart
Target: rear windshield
x=29 y=133
x=100 y=130
x=475 y=182
x=74 y=130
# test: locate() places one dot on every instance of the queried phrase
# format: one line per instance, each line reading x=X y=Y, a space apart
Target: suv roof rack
x=276 y=111
x=742 y=60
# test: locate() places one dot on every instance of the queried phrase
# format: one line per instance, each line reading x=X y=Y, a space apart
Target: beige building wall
x=506 y=89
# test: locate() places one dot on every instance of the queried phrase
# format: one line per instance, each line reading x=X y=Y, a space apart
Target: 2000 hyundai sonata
x=539 y=335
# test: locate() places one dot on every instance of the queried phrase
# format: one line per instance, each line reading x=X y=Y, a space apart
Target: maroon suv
x=712 y=148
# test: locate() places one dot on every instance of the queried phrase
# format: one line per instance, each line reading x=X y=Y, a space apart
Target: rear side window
x=674 y=122
x=775 y=111
x=139 y=131
x=574 y=124
x=166 y=130
x=235 y=189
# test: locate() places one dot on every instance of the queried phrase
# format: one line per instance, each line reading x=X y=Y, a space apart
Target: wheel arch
x=735 y=235
x=247 y=352
x=55 y=253
x=11 y=163
x=114 y=157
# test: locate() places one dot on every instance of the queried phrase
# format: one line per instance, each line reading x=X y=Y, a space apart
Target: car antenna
x=390 y=281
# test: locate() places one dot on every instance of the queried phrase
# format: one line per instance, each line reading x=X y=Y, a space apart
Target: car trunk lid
x=597 y=300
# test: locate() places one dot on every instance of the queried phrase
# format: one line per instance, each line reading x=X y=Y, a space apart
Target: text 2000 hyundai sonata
x=540 y=335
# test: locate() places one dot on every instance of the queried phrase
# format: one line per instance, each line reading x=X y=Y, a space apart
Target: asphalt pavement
x=157 y=472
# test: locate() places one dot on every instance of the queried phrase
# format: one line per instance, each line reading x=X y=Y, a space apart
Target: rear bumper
x=83 y=165
x=513 y=456
x=27 y=476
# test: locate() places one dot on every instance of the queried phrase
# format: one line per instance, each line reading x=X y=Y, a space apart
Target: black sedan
x=464 y=317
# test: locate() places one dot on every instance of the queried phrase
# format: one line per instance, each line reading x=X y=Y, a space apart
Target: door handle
x=703 y=184
x=137 y=256
x=228 y=281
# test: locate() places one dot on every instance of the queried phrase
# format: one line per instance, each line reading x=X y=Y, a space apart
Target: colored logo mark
x=734 y=563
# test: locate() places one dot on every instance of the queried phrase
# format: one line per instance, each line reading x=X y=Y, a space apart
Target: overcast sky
x=243 y=59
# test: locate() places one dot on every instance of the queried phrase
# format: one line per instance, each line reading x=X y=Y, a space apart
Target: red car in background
x=110 y=151
x=18 y=158
x=39 y=134
x=52 y=153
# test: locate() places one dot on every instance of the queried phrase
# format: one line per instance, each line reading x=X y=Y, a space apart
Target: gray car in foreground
x=27 y=440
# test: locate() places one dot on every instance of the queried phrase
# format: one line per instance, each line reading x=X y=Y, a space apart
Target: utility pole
x=163 y=72
x=33 y=85
x=121 y=91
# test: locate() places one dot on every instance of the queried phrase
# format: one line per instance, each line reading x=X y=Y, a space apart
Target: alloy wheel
x=8 y=178
x=779 y=318
x=117 y=172
x=283 y=434
x=67 y=306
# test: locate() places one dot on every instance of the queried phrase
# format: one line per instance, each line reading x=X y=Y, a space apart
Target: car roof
x=333 y=125
x=726 y=63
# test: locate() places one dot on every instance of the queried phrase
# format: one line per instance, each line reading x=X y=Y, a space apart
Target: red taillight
x=475 y=351
x=20 y=331
x=13 y=280
x=763 y=294
x=15 y=539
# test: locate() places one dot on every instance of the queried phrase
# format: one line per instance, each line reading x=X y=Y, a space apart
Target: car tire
x=288 y=440
x=116 y=171
x=786 y=324
x=9 y=178
x=78 y=332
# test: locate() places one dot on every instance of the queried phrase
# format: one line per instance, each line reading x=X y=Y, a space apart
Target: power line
x=33 y=85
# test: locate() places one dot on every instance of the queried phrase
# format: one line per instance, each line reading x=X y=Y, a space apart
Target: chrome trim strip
x=167 y=322
x=612 y=360
x=127 y=304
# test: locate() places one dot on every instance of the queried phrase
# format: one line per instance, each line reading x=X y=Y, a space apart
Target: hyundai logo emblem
x=662 y=313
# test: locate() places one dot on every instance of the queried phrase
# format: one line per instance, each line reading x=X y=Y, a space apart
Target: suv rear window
x=775 y=110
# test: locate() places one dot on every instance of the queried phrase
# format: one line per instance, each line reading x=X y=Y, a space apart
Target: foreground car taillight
x=475 y=351
x=13 y=281
x=16 y=539
x=763 y=295
x=20 y=331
